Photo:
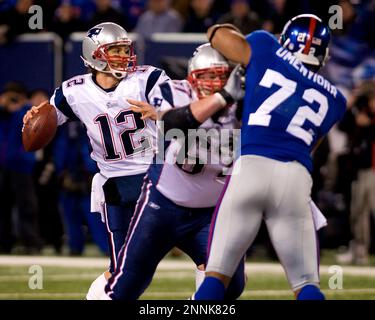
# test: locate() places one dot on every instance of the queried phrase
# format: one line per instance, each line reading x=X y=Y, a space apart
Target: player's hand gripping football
x=234 y=89
x=39 y=126
x=147 y=110
x=33 y=111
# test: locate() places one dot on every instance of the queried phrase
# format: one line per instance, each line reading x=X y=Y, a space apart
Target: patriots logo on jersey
x=157 y=102
x=94 y=32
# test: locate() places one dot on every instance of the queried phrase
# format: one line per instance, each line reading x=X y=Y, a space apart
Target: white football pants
x=278 y=192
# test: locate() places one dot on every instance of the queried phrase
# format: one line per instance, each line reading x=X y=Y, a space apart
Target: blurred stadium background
x=44 y=212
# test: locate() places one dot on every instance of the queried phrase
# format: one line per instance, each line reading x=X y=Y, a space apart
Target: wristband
x=180 y=118
x=226 y=96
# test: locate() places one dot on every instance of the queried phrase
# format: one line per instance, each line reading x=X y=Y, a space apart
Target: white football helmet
x=95 y=50
x=207 y=61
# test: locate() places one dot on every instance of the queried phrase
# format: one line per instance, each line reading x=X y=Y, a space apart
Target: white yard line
x=54 y=261
x=181 y=294
x=39 y=295
x=256 y=293
x=165 y=265
x=178 y=274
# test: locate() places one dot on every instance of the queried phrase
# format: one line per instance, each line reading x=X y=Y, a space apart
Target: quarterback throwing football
x=122 y=142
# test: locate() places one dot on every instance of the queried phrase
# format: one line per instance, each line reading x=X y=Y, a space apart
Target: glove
x=234 y=89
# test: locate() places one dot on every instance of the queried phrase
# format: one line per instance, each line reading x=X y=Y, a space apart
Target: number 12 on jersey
x=263 y=115
x=132 y=124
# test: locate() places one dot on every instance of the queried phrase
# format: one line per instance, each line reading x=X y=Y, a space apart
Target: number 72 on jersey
x=263 y=115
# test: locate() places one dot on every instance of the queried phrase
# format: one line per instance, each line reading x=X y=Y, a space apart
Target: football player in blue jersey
x=288 y=108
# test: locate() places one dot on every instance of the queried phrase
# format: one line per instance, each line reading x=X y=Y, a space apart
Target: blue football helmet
x=308 y=38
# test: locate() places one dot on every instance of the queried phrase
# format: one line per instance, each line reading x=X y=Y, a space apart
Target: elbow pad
x=181 y=118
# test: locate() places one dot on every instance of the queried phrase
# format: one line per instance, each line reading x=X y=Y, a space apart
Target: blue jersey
x=287 y=107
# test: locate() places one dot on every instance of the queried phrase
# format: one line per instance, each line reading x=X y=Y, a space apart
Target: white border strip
x=39 y=37
x=180 y=295
x=167 y=37
x=79 y=36
x=165 y=265
x=179 y=37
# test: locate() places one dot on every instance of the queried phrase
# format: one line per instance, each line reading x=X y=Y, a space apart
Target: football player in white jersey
x=179 y=195
x=121 y=142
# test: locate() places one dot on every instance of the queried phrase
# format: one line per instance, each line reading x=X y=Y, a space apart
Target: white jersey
x=197 y=180
x=122 y=143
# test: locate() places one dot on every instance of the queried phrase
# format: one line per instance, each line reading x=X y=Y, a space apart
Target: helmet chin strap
x=117 y=74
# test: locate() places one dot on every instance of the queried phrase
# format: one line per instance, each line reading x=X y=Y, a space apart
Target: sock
x=236 y=286
x=310 y=292
x=96 y=289
x=199 y=277
x=211 y=289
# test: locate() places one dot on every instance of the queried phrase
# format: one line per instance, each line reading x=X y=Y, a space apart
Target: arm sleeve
x=155 y=78
x=261 y=42
x=180 y=118
x=174 y=97
x=161 y=97
x=171 y=95
x=63 y=109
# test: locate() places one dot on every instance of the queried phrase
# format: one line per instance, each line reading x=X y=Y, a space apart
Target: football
x=40 y=130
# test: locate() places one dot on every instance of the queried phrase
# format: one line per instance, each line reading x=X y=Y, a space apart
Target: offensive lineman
x=122 y=142
x=178 y=197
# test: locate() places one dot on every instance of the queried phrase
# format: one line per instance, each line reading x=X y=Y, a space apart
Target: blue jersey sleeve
x=261 y=42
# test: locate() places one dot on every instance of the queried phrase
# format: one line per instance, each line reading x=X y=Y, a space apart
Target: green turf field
x=265 y=281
